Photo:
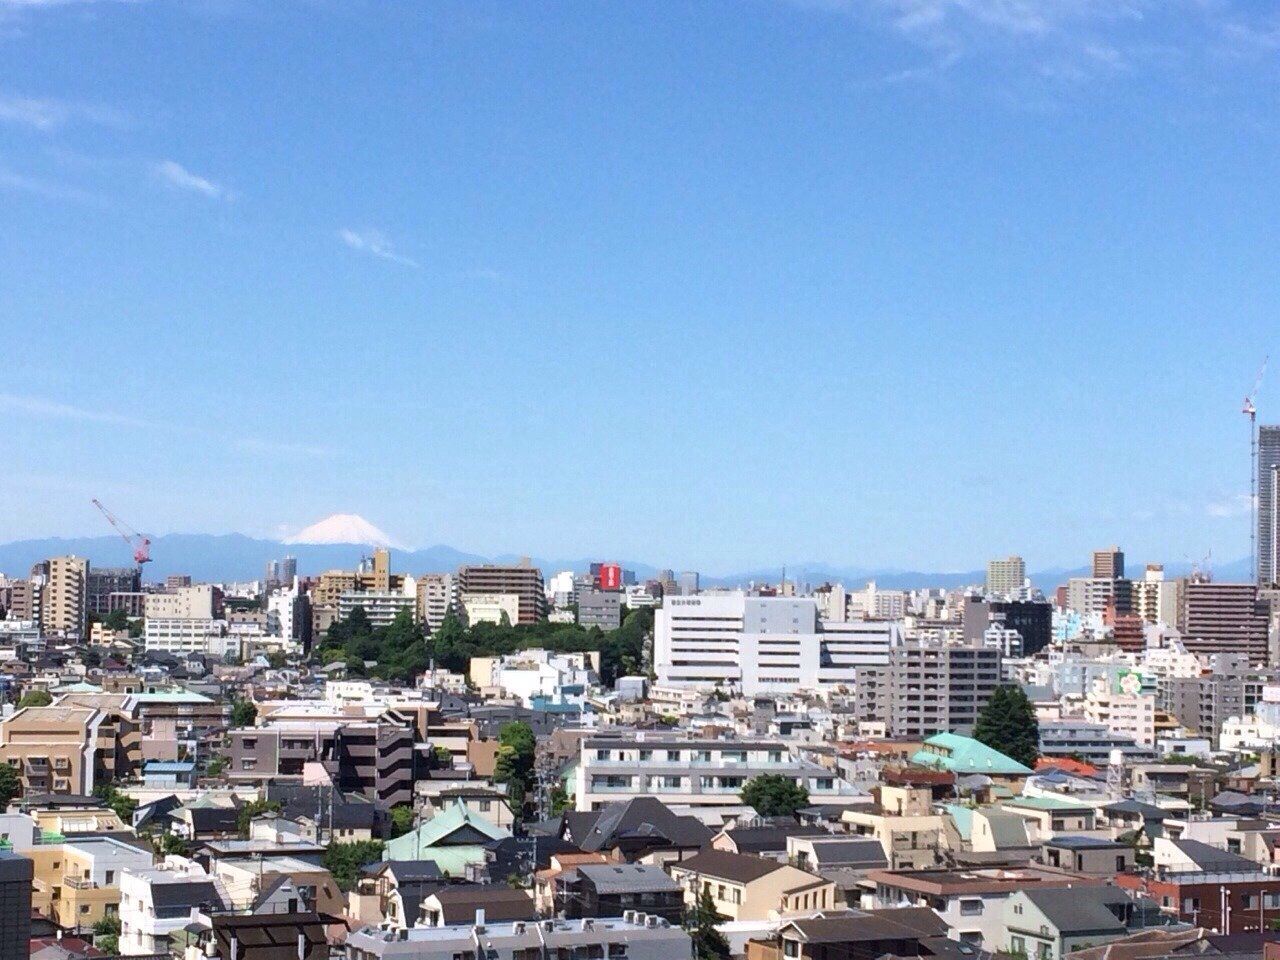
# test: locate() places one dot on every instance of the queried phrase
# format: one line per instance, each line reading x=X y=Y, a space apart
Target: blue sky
x=887 y=282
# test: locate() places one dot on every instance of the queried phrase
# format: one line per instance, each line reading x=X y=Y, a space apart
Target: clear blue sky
x=886 y=282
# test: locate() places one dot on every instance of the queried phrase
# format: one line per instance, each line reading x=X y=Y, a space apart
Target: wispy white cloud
x=375 y=243
x=176 y=175
x=48 y=189
x=1236 y=505
x=55 y=410
x=49 y=113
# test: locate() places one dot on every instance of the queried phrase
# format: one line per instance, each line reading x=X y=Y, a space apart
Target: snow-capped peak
x=343 y=528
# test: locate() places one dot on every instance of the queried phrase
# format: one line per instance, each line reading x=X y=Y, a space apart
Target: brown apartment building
x=522 y=579
x=67 y=749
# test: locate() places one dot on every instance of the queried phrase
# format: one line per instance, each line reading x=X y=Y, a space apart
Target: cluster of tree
x=401 y=650
x=515 y=761
x=708 y=942
x=1007 y=722
x=244 y=819
x=10 y=783
x=122 y=804
x=243 y=713
x=106 y=934
x=773 y=795
x=344 y=860
x=401 y=819
x=36 y=698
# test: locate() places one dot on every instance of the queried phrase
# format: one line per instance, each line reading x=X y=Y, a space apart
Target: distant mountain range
x=235 y=557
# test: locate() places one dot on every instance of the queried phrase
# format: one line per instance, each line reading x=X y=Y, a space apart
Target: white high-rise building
x=763 y=645
x=1005 y=577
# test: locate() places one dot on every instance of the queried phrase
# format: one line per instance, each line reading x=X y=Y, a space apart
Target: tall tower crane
x=1250 y=410
x=140 y=545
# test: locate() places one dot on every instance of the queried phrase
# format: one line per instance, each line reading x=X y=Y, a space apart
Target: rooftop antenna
x=1250 y=410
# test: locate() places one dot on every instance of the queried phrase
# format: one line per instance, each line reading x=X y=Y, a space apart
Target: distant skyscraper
x=1108 y=564
x=280 y=573
x=688 y=582
x=1005 y=577
x=1268 y=504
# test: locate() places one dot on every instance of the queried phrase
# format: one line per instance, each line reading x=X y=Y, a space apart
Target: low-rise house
x=479 y=798
x=907 y=932
x=455 y=840
x=392 y=892
x=1047 y=924
x=614 y=889
x=643 y=829
x=971 y=902
x=455 y=904
x=965 y=756
x=743 y=887
x=762 y=836
x=1091 y=856
x=1051 y=816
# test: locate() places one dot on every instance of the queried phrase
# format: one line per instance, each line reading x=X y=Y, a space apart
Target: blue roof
x=963 y=755
x=168 y=766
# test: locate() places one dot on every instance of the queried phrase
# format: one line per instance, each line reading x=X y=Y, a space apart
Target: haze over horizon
x=911 y=284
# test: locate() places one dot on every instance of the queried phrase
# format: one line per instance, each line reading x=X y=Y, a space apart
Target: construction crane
x=1250 y=410
x=140 y=545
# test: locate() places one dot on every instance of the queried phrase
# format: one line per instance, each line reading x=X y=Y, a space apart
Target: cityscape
x=696 y=480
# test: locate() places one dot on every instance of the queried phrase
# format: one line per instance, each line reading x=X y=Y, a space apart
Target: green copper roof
x=965 y=755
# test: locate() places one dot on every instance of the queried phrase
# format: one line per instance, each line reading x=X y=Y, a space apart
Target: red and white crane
x=141 y=545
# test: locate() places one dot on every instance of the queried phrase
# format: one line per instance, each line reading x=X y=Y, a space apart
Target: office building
x=1155 y=599
x=500 y=608
x=380 y=608
x=201 y=602
x=1006 y=577
x=281 y=573
x=1094 y=595
x=1108 y=564
x=688 y=584
x=600 y=608
x=523 y=580
x=1032 y=619
x=1268 y=504
x=64 y=595
x=202 y=635
x=102 y=582
x=763 y=645
x=1224 y=618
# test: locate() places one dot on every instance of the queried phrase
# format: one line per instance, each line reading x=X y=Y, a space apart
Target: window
x=1017 y=945
x=110 y=877
x=1044 y=951
x=1249 y=900
x=1190 y=904
x=970 y=908
x=1121 y=866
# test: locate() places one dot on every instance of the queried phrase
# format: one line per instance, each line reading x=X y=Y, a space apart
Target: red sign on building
x=610 y=576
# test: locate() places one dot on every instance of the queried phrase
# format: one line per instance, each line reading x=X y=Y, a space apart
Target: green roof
x=420 y=844
x=963 y=817
x=965 y=755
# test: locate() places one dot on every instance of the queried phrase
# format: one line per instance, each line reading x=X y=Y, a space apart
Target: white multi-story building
x=562 y=590
x=871 y=601
x=705 y=777
x=156 y=903
x=491 y=607
x=538 y=674
x=763 y=645
x=381 y=608
x=192 y=635
x=1122 y=707
x=286 y=614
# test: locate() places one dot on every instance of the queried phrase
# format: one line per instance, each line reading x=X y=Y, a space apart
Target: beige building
x=491 y=607
x=67 y=749
x=200 y=602
x=77 y=882
x=1005 y=577
x=746 y=887
x=1123 y=708
x=372 y=576
x=64 y=596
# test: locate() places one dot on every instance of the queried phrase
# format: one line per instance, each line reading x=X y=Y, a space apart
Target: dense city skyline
x=929 y=281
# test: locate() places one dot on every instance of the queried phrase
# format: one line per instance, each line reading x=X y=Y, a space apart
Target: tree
x=401 y=820
x=106 y=934
x=708 y=942
x=560 y=800
x=116 y=620
x=344 y=860
x=10 y=784
x=216 y=765
x=773 y=795
x=243 y=713
x=36 y=698
x=122 y=804
x=514 y=762
x=1008 y=723
x=170 y=843
x=244 y=819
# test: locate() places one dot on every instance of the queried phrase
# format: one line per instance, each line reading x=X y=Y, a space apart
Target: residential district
x=505 y=763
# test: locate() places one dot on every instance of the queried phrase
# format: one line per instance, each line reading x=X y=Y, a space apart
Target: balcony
x=79 y=883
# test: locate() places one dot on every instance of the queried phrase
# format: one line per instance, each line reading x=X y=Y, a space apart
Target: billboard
x=610 y=577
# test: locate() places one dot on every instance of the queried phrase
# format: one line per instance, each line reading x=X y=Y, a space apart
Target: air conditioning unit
x=651 y=921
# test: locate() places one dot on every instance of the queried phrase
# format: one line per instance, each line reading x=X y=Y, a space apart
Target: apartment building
x=1108 y=564
x=66 y=749
x=1094 y=595
x=636 y=936
x=1224 y=618
x=1123 y=709
x=763 y=645
x=64 y=595
x=203 y=601
x=1155 y=599
x=523 y=580
x=705 y=776
x=372 y=575
x=16 y=876
x=437 y=597
x=377 y=758
x=380 y=607
x=77 y=882
x=537 y=675
x=600 y=608
x=934 y=687
x=1229 y=687
x=201 y=635
x=1005 y=577
x=20 y=599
